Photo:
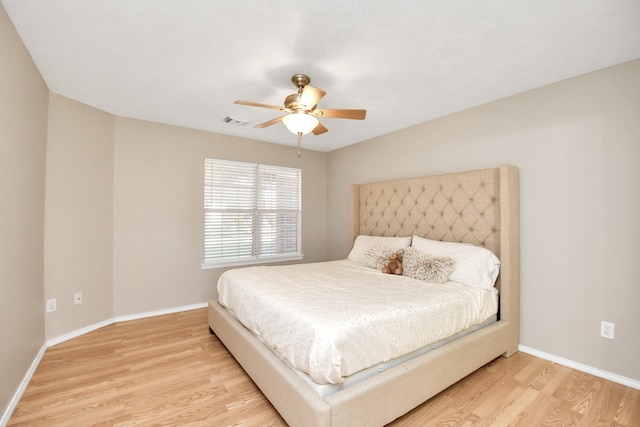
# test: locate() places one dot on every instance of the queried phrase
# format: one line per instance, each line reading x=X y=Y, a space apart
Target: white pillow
x=363 y=243
x=475 y=266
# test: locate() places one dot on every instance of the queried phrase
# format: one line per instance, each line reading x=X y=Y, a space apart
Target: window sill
x=252 y=261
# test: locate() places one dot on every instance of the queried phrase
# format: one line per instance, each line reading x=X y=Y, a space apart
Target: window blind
x=252 y=213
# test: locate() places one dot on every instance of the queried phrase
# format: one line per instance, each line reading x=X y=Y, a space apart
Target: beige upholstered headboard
x=479 y=207
x=456 y=207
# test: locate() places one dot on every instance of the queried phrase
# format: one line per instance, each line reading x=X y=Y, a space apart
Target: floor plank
x=168 y=370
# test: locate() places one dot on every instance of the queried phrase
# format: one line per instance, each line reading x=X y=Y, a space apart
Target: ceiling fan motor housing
x=293 y=102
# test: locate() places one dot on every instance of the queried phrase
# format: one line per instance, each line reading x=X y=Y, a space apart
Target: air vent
x=235 y=121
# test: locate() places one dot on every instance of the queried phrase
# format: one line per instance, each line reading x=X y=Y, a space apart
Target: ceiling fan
x=302 y=112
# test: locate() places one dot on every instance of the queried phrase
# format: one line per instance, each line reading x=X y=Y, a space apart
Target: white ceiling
x=406 y=62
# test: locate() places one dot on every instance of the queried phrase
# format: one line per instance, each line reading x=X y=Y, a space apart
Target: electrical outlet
x=51 y=305
x=607 y=329
x=77 y=298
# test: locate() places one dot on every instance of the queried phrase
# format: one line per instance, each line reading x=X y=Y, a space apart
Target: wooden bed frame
x=479 y=207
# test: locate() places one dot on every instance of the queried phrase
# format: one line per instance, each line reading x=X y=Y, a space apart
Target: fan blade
x=341 y=114
x=318 y=130
x=269 y=123
x=311 y=96
x=257 y=104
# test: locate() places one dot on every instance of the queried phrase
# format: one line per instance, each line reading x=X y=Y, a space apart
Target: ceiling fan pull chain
x=299 y=140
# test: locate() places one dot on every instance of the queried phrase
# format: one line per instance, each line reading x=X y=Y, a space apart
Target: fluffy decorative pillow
x=378 y=256
x=431 y=269
x=363 y=243
x=475 y=266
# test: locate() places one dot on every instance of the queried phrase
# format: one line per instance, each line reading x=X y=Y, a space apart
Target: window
x=252 y=213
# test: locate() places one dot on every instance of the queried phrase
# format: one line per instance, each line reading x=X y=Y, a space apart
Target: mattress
x=324 y=390
x=334 y=319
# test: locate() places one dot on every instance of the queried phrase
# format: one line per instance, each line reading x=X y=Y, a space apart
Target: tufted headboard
x=458 y=207
x=479 y=207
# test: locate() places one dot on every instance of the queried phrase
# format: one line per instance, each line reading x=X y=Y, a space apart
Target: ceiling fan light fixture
x=300 y=123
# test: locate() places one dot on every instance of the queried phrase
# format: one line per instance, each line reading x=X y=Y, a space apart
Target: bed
x=478 y=207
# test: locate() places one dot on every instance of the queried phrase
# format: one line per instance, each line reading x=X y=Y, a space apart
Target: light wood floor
x=169 y=370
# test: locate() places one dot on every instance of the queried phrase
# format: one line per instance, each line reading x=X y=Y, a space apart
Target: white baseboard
x=160 y=312
x=77 y=333
x=581 y=367
x=62 y=338
x=22 y=387
x=118 y=319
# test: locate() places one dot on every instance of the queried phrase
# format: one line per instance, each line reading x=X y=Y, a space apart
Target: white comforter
x=333 y=319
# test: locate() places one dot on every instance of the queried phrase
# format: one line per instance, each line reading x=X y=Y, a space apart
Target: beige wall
x=79 y=215
x=124 y=219
x=577 y=145
x=158 y=210
x=23 y=137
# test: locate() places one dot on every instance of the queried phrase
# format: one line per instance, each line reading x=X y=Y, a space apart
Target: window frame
x=264 y=209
